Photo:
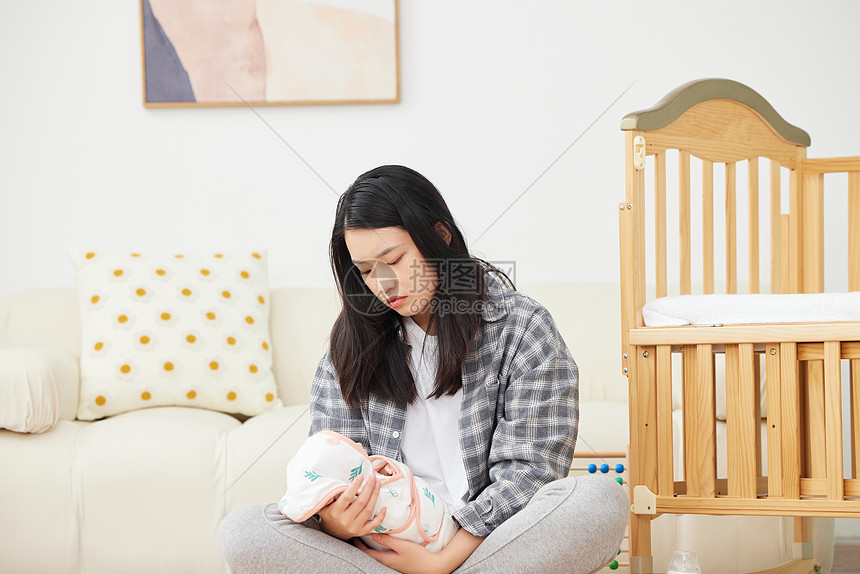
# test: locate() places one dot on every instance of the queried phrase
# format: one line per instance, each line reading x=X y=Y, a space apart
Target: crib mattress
x=714 y=310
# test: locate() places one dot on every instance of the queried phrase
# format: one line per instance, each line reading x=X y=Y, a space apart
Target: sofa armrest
x=38 y=387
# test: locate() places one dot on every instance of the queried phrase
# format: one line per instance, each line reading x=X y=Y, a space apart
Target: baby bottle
x=684 y=563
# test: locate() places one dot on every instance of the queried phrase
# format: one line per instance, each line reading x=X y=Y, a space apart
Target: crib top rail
x=681 y=99
x=720 y=121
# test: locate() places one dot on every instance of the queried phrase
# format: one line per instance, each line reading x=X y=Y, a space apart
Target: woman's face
x=394 y=270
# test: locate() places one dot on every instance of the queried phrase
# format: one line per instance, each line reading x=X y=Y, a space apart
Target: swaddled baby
x=328 y=462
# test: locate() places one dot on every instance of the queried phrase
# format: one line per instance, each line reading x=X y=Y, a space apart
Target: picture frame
x=269 y=52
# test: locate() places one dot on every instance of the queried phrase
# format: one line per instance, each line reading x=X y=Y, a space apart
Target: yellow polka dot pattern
x=174 y=329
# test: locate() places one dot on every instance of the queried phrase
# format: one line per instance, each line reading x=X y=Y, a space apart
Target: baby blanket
x=328 y=462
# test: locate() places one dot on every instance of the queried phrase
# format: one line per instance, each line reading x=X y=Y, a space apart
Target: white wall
x=493 y=92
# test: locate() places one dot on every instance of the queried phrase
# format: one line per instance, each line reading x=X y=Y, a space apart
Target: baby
x=328 y=462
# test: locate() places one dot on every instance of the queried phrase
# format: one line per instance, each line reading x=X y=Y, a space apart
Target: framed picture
x=269 y=52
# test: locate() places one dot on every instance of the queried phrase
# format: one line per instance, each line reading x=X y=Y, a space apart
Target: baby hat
x=322 y=468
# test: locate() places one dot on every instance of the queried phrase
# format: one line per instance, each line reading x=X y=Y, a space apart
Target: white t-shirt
x=431 y=442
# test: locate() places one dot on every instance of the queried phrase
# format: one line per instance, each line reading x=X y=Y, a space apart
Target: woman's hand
x=405 y=556
x=412 y=558
x=349 y=515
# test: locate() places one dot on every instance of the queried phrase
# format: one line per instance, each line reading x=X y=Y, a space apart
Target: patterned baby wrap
x=328 y=462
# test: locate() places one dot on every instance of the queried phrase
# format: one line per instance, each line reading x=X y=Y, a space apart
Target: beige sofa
x=145 y=491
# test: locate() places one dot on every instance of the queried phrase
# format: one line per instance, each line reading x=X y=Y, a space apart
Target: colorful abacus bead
x=613 y=565
x=604 y=468
x=592 y=468
x=619 y=468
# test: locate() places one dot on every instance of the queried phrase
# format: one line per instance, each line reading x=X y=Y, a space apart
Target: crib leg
x=640 y=544
x=803 y=547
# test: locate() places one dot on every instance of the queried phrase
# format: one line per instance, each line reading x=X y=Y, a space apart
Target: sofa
x=145 y=490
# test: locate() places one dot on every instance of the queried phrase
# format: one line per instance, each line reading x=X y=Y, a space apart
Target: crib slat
x=833 y=418
x=700 y=427
x=660 y=222
x=646 y=398
x=854 y=231
x=731 y=229
x=684 y=220
x=756 y=359
x=790 y=395
x=752 y=209
x=795 y=246
x=775 y=223
x=784 y=263
x=813 y=419
x=708 y=226
x=741 y=423
x=734 y=426
x=707 y=437
x=774 y=421
x=812 y=234
x=688 y=401
x=855 y=412
x=665 y=470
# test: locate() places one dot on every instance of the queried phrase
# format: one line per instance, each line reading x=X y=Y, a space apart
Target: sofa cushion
x=38 y=387
x=36 y=481
x=259 y=451
x=185 y=330
x=150 y=490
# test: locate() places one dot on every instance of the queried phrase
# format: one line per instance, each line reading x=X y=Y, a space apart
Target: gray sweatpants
x=571 y=525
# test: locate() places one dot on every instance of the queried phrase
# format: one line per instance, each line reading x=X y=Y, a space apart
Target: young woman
x=438 y=361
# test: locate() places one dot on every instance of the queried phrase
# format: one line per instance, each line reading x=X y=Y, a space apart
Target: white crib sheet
x=712 y=310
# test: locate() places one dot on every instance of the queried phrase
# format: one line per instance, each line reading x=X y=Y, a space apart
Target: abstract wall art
x=277 y=52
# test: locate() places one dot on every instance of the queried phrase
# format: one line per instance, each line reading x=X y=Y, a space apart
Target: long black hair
x=368 y=352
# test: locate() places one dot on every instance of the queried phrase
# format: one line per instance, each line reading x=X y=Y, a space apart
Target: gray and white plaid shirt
x=518 y=419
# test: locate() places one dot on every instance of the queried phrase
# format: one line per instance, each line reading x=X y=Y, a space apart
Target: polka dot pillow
x=188 y=330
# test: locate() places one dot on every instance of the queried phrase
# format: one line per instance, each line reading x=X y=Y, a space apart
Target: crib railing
x=796 y=237
x=804 y=419
x=813 y=220
x=779 y=225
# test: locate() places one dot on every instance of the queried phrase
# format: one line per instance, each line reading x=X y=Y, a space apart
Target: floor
x=846 y=556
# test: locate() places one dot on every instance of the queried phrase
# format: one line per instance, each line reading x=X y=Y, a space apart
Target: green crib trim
x=681 y=99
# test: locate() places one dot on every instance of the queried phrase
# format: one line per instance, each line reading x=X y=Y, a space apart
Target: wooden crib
x=729 y=129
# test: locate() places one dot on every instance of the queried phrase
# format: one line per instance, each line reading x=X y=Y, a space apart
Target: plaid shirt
x=518 y=419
